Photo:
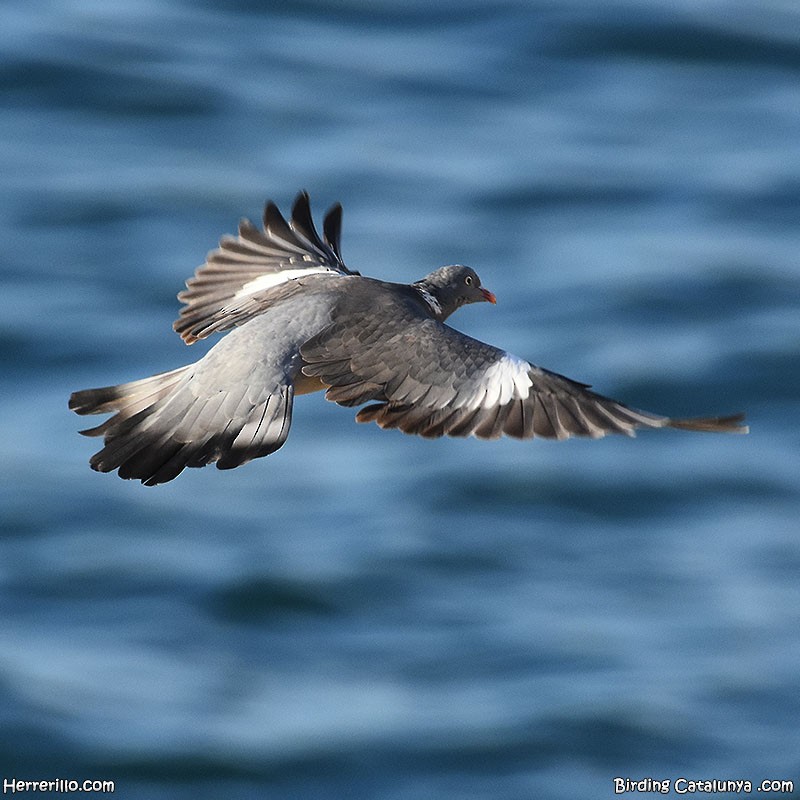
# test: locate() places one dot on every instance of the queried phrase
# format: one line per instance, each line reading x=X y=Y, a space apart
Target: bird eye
x=468 y=280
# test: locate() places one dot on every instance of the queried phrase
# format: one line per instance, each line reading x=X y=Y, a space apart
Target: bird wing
x=249 y=272
x=432 y=380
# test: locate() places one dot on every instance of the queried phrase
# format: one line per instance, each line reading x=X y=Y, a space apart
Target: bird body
x=298 y=321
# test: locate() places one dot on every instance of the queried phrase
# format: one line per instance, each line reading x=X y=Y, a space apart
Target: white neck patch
x=432 y=302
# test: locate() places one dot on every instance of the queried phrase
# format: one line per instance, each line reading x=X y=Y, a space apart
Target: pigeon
x=298 y=320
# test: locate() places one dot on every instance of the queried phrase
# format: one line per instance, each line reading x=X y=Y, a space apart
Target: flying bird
x=299 y=321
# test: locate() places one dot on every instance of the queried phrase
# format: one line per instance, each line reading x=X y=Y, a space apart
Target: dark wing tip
x=332 y=230
x=729 y=424
x=274 y=222
x=302 y=222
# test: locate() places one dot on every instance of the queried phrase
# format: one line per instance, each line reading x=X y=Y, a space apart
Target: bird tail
x=168 y=422
x=131 y=434
x=126 y=399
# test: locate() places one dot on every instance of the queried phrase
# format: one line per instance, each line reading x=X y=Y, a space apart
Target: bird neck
x=429 y=299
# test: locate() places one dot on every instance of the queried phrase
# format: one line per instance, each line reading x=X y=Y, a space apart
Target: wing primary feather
x=302 y=223
x=332 y=231
x=729 y=424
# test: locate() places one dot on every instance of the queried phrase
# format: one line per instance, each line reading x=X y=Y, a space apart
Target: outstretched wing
x=246 y=273
x=431 y=380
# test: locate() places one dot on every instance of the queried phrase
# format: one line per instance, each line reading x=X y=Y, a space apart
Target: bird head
x=452 y=287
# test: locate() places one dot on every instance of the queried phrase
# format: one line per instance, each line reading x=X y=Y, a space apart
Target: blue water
x=365 y=614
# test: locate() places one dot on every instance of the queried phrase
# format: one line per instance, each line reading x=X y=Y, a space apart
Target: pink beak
x=487 y=295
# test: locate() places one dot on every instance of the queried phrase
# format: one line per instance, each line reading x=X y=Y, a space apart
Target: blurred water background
x=365 y=614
